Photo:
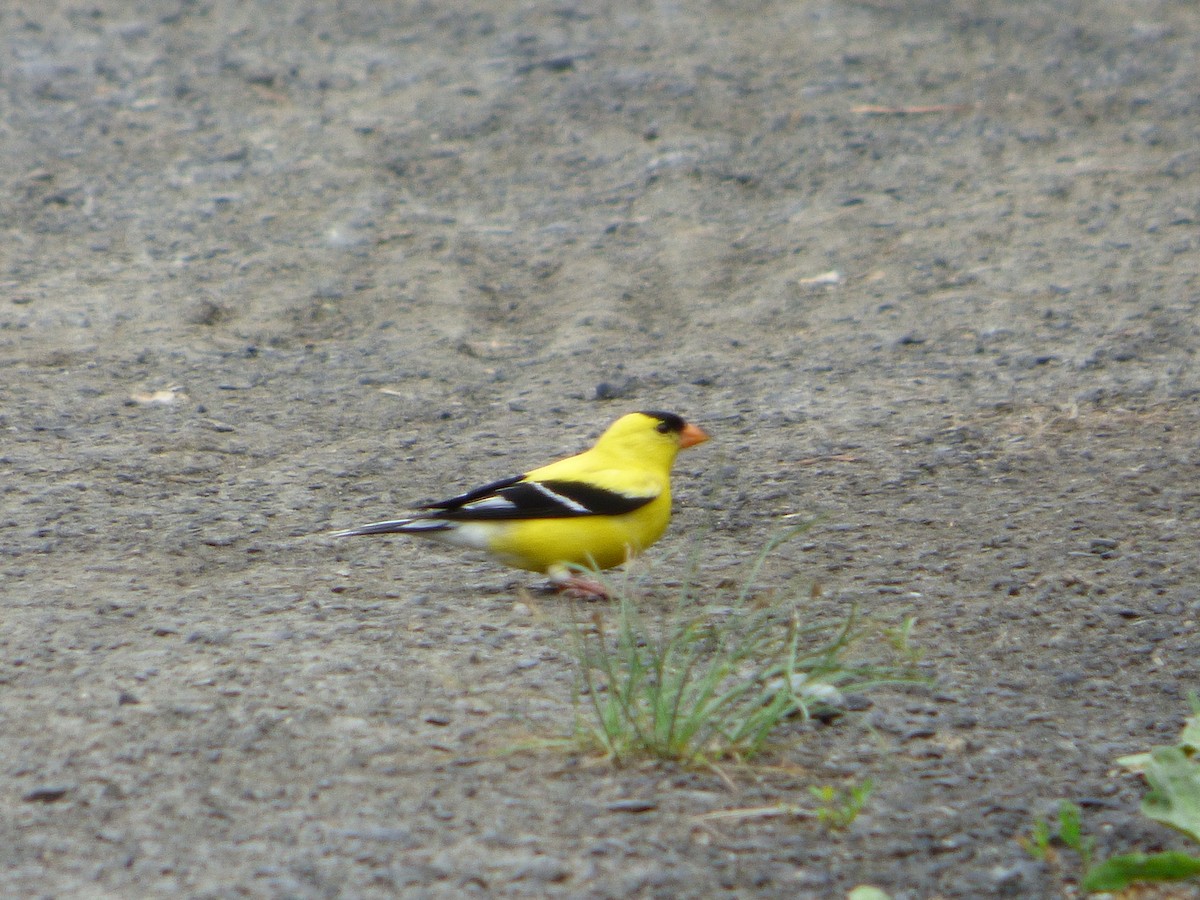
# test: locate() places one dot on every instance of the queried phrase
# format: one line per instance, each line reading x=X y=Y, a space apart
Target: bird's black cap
x=670 y=421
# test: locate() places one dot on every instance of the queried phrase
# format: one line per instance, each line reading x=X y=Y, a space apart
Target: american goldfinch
x=594 y=510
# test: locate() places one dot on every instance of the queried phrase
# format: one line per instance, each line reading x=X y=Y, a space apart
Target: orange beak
x=691 y=436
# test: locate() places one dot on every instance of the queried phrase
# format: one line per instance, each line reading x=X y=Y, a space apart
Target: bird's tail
x=395 y=526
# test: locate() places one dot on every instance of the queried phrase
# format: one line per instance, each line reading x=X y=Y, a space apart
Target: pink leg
x=581 y=588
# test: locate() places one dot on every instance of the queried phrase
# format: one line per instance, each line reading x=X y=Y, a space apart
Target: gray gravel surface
x=925 y=270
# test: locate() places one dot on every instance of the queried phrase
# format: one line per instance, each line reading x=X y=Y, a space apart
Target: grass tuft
x=714 y=680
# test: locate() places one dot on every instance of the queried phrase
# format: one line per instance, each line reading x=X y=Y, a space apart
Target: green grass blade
x=770 y=547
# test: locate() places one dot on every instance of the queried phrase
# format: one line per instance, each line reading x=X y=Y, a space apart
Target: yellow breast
x=593 y=541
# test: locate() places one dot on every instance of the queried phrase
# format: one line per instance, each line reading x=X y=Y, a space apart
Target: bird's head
x=650 y=434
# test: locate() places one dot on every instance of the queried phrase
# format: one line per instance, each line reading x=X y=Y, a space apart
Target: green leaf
x=1189 y=743
x=1119 y=872
x=1174 y=796
x=867 y=892
x=1039 y=840
x=1070 y=832
x=1037 y=843
x=1190 y=739
x=1135 y=762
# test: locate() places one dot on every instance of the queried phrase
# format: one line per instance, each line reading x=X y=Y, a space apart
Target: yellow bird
x=594 y=510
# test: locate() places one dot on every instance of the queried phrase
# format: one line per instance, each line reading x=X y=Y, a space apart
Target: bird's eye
x=662 y=427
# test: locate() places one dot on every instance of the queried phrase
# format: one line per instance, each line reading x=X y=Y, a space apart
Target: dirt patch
x=271 y=269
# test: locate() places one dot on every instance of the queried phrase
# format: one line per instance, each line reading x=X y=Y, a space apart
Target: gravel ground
x=925 y=270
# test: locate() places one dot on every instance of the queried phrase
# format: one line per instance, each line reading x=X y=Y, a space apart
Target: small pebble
x=48 y=793
x=631 y=806
x=546 y=869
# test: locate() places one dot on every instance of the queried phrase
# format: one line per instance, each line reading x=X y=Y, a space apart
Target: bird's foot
x=580 y=588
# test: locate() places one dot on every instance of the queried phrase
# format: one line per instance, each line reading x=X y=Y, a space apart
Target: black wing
x=480 y=493
x=514 y=498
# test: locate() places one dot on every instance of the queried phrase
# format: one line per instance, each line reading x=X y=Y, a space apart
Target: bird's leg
x=581 y=588
x=573 y=584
